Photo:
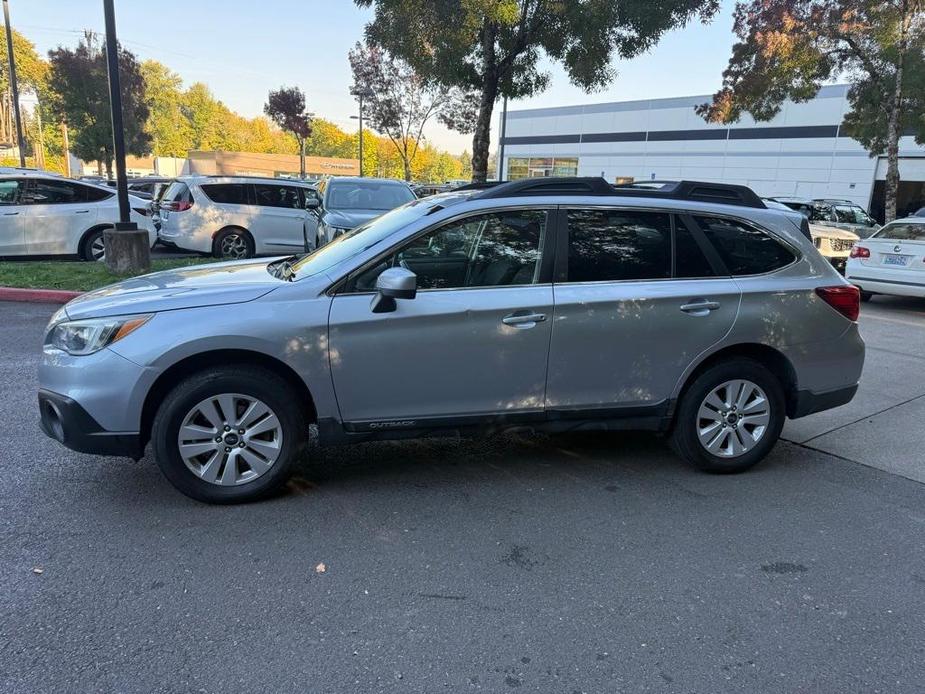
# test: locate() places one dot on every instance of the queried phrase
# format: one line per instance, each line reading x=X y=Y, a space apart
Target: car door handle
x=10 y=214
x=524 y=320
x=81 y=211
x=700 y=307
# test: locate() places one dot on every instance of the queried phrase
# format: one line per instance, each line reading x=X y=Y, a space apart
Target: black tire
x=87 y=245
x=222 y=239
x=865 y=296
x=684 y=436
x=256 y=382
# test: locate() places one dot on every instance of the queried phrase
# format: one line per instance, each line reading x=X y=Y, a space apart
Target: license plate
x=890 y=259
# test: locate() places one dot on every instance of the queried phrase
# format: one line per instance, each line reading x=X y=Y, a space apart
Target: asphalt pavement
x=579 y=563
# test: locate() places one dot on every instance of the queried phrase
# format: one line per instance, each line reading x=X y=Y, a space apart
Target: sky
x=241 y=50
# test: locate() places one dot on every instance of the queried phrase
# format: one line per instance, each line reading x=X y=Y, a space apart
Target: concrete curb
x=44 y=296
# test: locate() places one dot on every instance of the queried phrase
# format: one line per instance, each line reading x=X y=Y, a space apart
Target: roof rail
x=723 y=193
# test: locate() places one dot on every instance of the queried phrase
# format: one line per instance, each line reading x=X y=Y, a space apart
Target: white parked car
x=892 y=261
x=235 y=216
x=46 y=214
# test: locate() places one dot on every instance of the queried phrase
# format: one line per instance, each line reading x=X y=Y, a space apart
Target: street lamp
x=359 y=94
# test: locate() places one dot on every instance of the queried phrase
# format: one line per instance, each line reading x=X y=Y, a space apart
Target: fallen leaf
x=321 y=568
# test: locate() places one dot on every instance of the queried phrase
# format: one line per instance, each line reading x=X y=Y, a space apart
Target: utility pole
x=500 y=171
x=67 y=150
x=127 y=248
x=14 y=87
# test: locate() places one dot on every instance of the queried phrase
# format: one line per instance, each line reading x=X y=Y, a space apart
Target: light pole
x=126 y=245
x=359 y=94
x=14 y=87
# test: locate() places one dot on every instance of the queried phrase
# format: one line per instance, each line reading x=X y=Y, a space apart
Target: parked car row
x=234 y=217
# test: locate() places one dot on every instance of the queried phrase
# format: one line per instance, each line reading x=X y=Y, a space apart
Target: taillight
x=177 y=206
x=846 y=299
x=860 y=252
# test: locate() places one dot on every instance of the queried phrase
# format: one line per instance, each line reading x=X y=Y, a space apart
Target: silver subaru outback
x=554 y=304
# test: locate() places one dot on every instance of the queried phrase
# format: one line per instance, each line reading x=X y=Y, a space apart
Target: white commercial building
x=802 y=152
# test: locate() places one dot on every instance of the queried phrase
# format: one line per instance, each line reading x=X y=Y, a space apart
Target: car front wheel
x=229 y=435
x=730 y=417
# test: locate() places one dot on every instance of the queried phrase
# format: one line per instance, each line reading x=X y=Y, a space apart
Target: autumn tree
x=494 y=47
x=399 y=102
x=78 y=88
x=788 y=48
x=168 y=126
x=286 y=107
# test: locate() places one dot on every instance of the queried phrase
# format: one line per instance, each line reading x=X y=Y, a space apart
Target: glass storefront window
x=539 y=167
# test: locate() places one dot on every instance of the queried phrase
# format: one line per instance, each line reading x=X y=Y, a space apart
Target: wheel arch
x=224 y=357
x=86 y=235
x=772 y=359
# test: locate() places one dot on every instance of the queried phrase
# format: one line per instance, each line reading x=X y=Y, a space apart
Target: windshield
x=361 y=238
x=851 y=215
x=367 y=195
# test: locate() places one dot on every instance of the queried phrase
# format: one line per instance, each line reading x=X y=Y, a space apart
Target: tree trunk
x=407 y=168
x=481 y=138
x=891 y=188
x=301 y=157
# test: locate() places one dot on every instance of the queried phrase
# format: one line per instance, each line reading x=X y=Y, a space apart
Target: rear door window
x=744 y=249
x=690 y=261
x=616 y=245
x=272 y=195
x=229 y=193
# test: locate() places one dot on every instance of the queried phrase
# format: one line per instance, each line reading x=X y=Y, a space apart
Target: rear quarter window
x=744 y=249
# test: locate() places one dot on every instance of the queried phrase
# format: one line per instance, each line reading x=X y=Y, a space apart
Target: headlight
x=81 y=337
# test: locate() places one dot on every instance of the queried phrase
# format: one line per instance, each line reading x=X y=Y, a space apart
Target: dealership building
x=801 y=152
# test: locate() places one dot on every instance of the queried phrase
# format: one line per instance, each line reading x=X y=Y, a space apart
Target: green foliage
x=494 y=46
x=168 y=126
x=788 y=48
x=867 y=121
x=31 y=70
x=79 y=94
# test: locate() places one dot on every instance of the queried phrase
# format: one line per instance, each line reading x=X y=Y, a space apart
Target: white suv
x=46 y=214
x=235 y=216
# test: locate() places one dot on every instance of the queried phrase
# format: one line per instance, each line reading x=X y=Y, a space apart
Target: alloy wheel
x=234 y=246
x=733 y=418
x=98 y=248
x=230 y=439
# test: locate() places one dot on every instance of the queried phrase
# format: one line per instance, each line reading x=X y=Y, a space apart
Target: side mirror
x=394 y=283
x=312 y=202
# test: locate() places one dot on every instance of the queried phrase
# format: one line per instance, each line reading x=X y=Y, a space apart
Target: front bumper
x=65 y=421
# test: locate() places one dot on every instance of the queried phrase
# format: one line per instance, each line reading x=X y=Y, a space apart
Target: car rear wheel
x=94 y=248
x=229 y=435
x=730 y=417
x=233 y=244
